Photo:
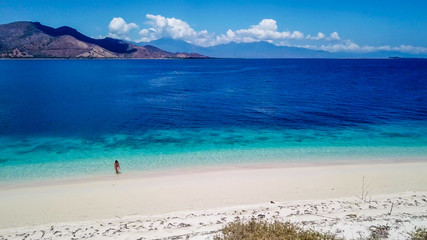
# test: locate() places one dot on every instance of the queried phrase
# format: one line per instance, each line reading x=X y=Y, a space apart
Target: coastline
x=203 y=168
x=197 y=189
x=59 y=167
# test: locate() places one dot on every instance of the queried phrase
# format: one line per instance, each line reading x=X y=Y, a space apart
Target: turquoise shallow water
x=67 y=118
x=164 y=149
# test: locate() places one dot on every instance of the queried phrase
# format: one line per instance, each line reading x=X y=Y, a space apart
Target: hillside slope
x=34 y=40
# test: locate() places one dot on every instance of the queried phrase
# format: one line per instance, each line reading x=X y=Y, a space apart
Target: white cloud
x=162 y=27
x=346 y=46
x=120 y=29
x=334 y=36
x=318 y=37
x=266 y=30
x=402 y=48
x=349 y=46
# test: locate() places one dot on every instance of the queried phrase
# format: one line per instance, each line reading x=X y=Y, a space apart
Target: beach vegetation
x=379 y=232
x=260 y=230
x=365 y=190
x=419 y=234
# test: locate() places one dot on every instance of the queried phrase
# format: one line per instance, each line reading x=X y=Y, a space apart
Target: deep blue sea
x=73 y=118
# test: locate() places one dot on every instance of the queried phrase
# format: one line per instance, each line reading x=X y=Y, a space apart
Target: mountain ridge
x=33 y=40
x=239 y=50
x=265 y=49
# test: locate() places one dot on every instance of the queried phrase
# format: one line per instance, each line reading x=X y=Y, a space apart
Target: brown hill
x=34 y=40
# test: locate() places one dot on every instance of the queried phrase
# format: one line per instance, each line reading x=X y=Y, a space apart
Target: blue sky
x=343 y=25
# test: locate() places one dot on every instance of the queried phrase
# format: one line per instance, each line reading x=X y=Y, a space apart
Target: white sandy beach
x=197 y=202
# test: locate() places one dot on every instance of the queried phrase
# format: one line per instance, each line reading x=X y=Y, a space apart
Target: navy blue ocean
x=73 y=118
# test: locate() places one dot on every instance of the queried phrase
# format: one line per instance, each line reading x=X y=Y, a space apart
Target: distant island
x=34 y=40
x=264 y=49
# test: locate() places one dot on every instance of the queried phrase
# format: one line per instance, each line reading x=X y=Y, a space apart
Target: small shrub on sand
x=379 y=232
x=419 y=234
x=261 y=230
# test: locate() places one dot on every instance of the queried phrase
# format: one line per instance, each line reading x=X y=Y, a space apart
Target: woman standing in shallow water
x=117 y=166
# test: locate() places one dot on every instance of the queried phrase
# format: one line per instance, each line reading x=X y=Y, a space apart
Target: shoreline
x=195 y=190
x=182 y=170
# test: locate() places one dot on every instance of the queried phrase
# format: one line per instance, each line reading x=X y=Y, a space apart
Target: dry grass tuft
x=261 y=230
x=419 y=234
x=379 y=232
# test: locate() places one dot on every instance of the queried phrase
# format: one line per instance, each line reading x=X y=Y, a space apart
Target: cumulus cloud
x=266 y=30
x=346 y=46
x=162 y=27
x=321 y=36
x=334 y=36
x=120 y=29
x=318 y=37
